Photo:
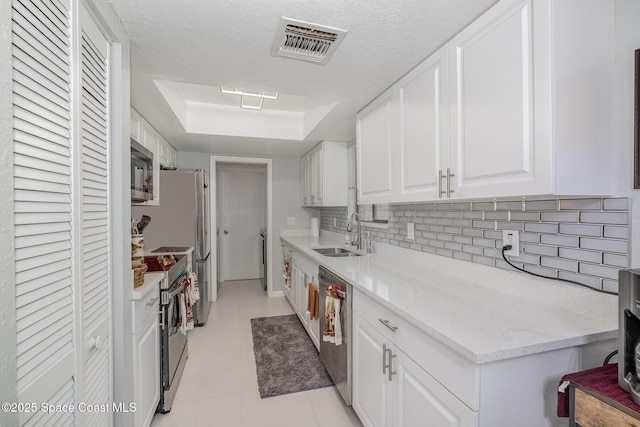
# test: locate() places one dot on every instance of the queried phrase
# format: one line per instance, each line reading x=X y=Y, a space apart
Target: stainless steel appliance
x=337 y=358
x=263 y=278
x=629 y=332
x=174 y=350
x=182 y=219
x=141 y=173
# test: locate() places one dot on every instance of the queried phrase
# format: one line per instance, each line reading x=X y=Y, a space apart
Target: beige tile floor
x=219 y=385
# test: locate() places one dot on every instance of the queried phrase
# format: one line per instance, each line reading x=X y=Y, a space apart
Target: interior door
x=94 y=228
x=242 y=211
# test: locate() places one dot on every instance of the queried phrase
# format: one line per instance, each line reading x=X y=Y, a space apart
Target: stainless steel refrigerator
x=183 y=219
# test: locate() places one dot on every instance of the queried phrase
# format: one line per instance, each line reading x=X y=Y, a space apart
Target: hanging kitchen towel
x=286 y=271
x=194 y=290
x=332 y=331
x=188 y=285
x=312 y=301
x=328 y=332
x=182 y=324
x=337 y=327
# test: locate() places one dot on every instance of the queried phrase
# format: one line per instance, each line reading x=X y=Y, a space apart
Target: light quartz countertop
x=151 y=281
x=483 y=313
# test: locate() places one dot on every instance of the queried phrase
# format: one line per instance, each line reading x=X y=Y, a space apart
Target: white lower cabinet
x=418 y=397
x=146 y=356
x=303 y=272
x=390 y=389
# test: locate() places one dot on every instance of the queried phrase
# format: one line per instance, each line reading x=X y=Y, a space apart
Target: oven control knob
x=95 y=343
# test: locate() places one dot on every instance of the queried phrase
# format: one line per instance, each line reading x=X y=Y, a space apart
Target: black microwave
x=141 y=173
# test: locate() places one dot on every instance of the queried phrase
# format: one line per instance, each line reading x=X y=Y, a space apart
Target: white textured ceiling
x=228 y=43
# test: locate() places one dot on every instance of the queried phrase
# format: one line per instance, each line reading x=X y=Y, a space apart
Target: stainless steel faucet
x=358 y=241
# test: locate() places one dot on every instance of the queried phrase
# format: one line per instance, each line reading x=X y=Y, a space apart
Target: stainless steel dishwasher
x=337 y=358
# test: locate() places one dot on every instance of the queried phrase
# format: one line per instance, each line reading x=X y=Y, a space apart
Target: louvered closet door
x=43 y=200
x=94 y=223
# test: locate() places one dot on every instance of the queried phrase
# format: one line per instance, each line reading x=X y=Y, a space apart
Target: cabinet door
x=314 y=325
x=491 y=81
x=371 y=387
x=374 y=141
x=424 y=120
x=418 y=399
x=151 y=140
x=135 y=126
x=304 y=178
x=303 y=295
x=147 y=372
x=318 y=162
x=293 y=290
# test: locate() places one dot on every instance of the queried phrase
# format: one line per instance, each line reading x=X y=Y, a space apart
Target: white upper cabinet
x=163 y=153
x=374 y=145
x=424 y=128
x=135 y=126
x=517 y=104
x=324 y=175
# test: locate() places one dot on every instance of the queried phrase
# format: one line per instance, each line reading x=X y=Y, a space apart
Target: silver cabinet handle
x=163 y=319
x=391 y=371
x=384 y=358
x=387 y=324
x=449 y=175
x=152 y=301
x=440 y=177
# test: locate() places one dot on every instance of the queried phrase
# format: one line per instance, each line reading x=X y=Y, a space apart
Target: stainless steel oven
x=174 y=350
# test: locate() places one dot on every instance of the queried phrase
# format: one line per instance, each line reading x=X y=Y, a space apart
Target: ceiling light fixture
x=248 y=99
x=262 y=94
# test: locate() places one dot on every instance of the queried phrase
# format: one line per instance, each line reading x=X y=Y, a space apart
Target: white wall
x=627 y=41
x=286 y=201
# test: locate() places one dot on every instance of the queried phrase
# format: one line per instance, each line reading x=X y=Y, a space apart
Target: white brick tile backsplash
x=618 y=218
x=560 y=217
x=615 y=232
x=616 y=246
x=483 y=206
x=621 y=204
x=541 y=227
x=618 y=260
x=599 y=271
x=581 y=255
x=581 y=204
x=559 y=264
x=541 y=250
x=581 y=230
x=584 y=240
x=510 y=206
x=553 y=239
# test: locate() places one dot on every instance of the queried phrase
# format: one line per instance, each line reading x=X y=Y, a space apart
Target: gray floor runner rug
x=286 y=359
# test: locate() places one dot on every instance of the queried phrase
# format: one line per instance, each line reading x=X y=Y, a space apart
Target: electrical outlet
x=411 y=234
x=291 y=220
x=335 y=221
x=511 y=237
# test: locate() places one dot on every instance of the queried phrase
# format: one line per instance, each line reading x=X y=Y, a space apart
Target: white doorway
x=241 y=205
x=242 y=216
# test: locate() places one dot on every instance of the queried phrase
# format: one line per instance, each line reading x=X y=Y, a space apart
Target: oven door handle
x=178 y=290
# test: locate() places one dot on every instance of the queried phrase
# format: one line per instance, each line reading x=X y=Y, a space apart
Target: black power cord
x=507 y=247
x=609 y=356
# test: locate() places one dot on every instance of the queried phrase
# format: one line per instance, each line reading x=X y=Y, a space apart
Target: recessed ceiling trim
x=306 y=41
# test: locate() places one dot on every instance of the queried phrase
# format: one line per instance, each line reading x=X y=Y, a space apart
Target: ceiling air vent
x=306 y=41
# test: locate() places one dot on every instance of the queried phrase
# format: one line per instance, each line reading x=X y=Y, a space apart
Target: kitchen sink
x=336 y=252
